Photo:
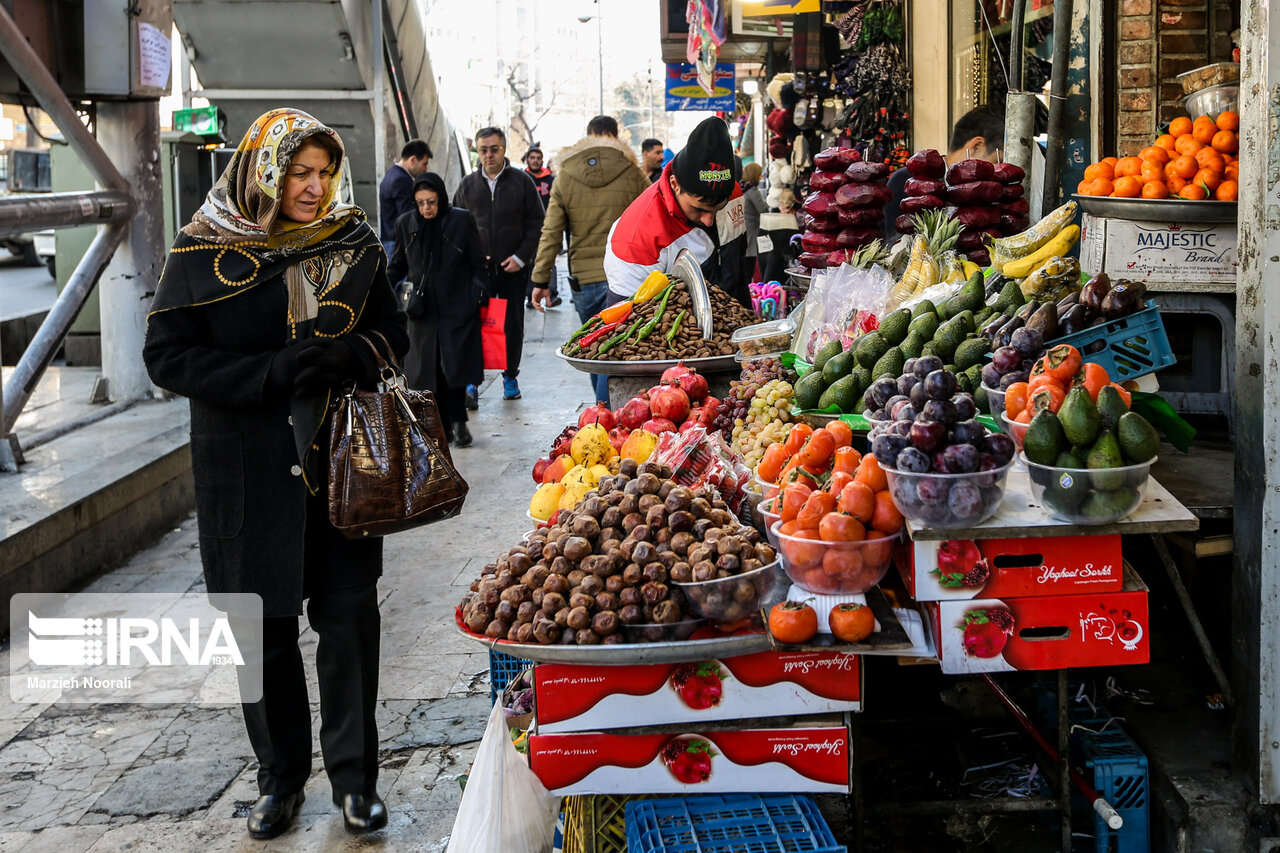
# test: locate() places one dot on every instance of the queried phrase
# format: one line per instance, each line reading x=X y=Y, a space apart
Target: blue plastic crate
x=732 y=823
x=1131 y=346
x=503 y=668
x=1120 y=775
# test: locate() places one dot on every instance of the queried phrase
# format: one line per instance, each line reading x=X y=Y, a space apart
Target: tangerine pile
x=1195 y=160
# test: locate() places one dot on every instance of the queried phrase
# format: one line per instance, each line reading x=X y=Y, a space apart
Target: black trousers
x=343 y=611
x=511 y=286
x=452 y=402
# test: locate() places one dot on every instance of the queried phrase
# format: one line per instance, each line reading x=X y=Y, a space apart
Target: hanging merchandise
x=875 y=77
x=706 y=19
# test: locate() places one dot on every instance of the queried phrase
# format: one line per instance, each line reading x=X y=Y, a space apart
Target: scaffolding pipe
x=24 y=214
x=1054 y=155
x=44 y=346
x=49 y=95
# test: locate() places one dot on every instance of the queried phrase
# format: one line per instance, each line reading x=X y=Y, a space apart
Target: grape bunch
x=768 y=415
x=736 y=404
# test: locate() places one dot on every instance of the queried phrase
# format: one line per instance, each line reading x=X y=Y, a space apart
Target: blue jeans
x=589 y=301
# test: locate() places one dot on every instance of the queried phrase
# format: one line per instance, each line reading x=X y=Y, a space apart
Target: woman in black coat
x=438 y=250
x=258 y=319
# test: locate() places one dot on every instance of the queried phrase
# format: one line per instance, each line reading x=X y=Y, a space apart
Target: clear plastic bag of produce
x=699 y=459
x=504 y=806
x=842 y=305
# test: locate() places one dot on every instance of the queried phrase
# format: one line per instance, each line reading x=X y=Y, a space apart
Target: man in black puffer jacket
x=508 y=213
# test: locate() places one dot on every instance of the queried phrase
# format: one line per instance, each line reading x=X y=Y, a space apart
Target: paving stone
x=174 y=788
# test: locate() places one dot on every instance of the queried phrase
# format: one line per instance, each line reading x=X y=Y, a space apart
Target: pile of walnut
x=601 y=574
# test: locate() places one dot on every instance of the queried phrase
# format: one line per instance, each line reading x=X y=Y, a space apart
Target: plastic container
x=995 y=397
x=646 y=632
x=835 y=568
x=947 y=501
x=1214 y=100
x=768 y=519
x=763 y=340
x=736 y=597
x=1205 y=76
x=502 y=669
x=1014 y=430
x=1088 y=495
x=1128 y=347
x=732 y=823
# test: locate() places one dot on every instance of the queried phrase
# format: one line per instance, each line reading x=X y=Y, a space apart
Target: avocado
x=924 y=306
x=1105 y=454
x=913 y=344
x=838 y=366
x=870 y=347
x=864 y=379
x=983 y=316
x=925 y=324
x=972 y=294
x=890 y=364
x=1110 y=409
x=1079 y=417
x=980 y=398
x=1010 y=297
x=843 y=394
x=975 y=375
x=894 y=327
x=808 y=389
x=966 y=319
x=947 y=338
x=1139 y=441
x=928 y=349
x=1070 y=459
x=964 y=383
x=972 y=352
x=1102 y=506
x=825 y=353
x=1044 y=439
x=1068 y=489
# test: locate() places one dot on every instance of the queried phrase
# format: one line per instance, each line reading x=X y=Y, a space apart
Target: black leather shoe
x=462 y=435
x=448 y=433
x=362 y=813
x=273 y=814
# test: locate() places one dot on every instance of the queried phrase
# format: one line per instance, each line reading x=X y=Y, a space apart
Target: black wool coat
x=447 y=285
x=251 y=500
x=509 y=218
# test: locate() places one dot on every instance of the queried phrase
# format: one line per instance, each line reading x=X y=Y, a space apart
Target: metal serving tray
x=714 y=364
x=1158 y=209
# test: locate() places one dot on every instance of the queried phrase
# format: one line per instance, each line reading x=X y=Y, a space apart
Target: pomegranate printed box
x=1043 y=632
x=955 y=569
x=812 y=759
x=586 y=698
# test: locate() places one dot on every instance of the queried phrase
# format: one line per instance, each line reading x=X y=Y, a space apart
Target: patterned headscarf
x=244 y=206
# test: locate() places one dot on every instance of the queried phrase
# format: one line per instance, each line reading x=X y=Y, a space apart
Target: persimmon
x=1015 y=398
x=859 y=501
x=1154 y=152
x=816 y=454
x=846 y=460
x=838 y=527
x=1128 y=166
x=1225 y=141
x=793 y=500
x=1193 y=192
x=1227 y=191
x=872 y=474
x=841 y=432
x=815 y=507
x=1228 y=120
x=887 y=519
x=1185 y=167
x=1099 y=170
x=1188 y=144
x=837 y=480
x=771 y=463
x=1207 y=178
x=1155 y=189
x=1093 y=377
x=798 y=436
x=1165 y=141
x=1127 y=187
x=1179 y=126
x=793 y=622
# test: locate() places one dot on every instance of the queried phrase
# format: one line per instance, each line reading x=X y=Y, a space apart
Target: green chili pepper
x=616 y=339
x=583 y=329
x=657 y=315
x=675 y=327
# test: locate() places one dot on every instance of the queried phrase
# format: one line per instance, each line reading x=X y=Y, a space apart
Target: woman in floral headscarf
x=267 y=305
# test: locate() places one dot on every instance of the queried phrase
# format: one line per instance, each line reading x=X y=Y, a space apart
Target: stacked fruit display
x=1195 y=160
x=844 y=209
x=836 y=525
x=932 y=259
x=606 y=572
x=1013 y=207
x=985 y=199
x=1089 y=457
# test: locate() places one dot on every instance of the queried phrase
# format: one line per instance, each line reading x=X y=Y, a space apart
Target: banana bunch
x=1018 y=250
x=1054 y=279
x=951 y=268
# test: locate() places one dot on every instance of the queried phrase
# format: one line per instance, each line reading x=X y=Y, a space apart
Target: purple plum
x=906 y=382
x=1027 y=341
x=968 y=432
x=932 y=490
x=887 y=447
x=960 y=458
x=903 y=411
x=940 y=385
x=913 y=461
x=925 y=365
x=966 y=408
x=882 y=390
x=1006 y=359
x=927 y=435
x=1000 y=446
x=943 y=411
x=965 y=501
x=1010 y=378
x=917 y=396
x=990 y=376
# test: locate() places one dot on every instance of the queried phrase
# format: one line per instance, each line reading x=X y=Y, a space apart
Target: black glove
x=285 y=365
x=324 y=366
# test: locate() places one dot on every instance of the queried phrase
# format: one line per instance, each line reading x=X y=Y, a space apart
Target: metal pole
x=40 y=352
x=600 y=50
x=130 y=133
x=184 y=75
x=24 y=214
x=379 y=106
x=22 y=57
x=1016 y=28
x=653 y=128
x=1062 y=14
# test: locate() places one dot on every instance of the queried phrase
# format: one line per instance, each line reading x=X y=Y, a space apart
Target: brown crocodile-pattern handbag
x=389 y=463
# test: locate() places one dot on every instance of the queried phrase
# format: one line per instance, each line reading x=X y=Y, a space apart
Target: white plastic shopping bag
x=504 y=806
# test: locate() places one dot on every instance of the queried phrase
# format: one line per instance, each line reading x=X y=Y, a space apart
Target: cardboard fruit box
x=811 y=757
x=1100 y=628
x=962 y=569
x=1158 y=251
x=571 y=698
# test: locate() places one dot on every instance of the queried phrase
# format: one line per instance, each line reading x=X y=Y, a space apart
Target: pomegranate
x=689 y=425
x=563 y=443
x=597 y=414
x=671 y=374
x=670 y=402
x=705 y=413
x=635 y=412
x=658 y=425
x=618 y=437
x=539 y=467
x=695 y=385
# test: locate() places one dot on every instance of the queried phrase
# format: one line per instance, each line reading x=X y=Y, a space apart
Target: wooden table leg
x=1188 y=608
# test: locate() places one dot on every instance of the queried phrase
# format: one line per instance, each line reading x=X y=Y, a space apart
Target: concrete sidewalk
x=177 y=778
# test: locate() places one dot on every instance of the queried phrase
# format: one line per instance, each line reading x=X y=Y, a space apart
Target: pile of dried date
x=603 y=574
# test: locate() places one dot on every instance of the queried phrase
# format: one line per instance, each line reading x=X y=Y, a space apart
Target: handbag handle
x=389 y=372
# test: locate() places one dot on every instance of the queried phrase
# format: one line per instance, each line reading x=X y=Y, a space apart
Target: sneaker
x=556 y=302
x=473 y=398
x=510 y=388
x=528 y=305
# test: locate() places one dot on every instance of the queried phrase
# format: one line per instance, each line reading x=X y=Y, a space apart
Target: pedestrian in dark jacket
x=238 y=327
x=509 y=215
x=438 y=252
x=395 y=193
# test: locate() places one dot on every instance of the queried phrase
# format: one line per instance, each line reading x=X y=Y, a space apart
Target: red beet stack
x=925 y=189
x=844 y=207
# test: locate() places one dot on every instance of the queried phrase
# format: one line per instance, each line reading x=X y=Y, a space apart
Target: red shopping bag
x=493 y=336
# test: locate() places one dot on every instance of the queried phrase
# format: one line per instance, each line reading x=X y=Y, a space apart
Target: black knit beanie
x=706 y=166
